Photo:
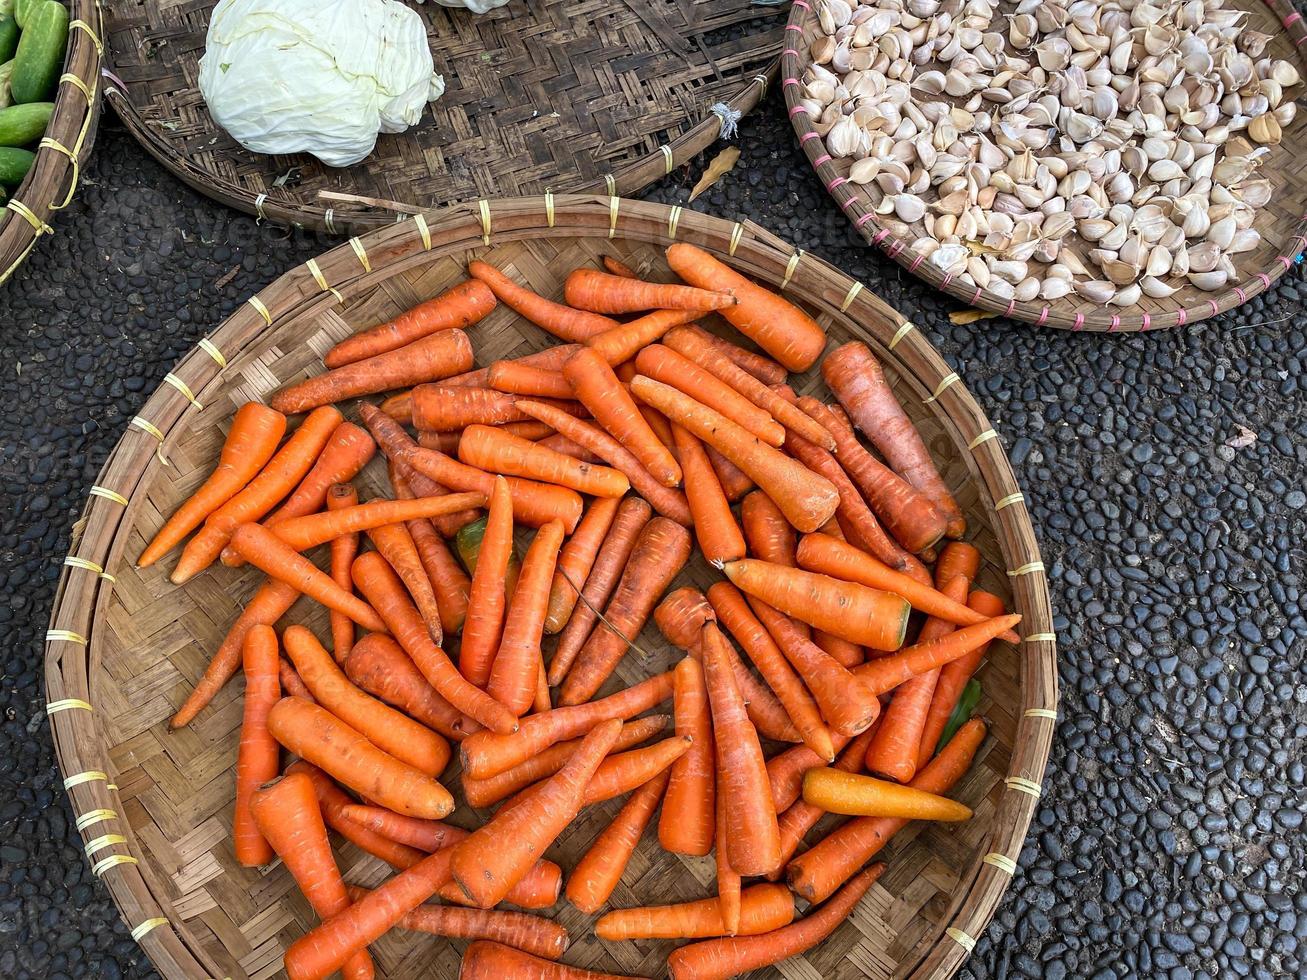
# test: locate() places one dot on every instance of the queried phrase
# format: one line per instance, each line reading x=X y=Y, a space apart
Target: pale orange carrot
x=344 y=548
x=762 y=909
x=516 y=668
x=437 y=408
x=623 y=342
x=562 y=321
x=490 y=449
x=459 y=306
x=577 y=559
x=672 y=368
x=851 y=793
x=257 y=754
x=378 y=665
x=601 y=867
x=785 y=770
x=688 y=815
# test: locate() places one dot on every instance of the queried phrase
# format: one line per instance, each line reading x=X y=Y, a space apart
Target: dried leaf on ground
x=722 y=164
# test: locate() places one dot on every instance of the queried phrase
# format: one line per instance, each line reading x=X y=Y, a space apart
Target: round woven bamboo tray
x=561 y=95
x=52 y=181
x=125 y=645
x=1282 y=223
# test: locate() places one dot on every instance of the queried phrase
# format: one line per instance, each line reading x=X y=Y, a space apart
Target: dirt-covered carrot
x=459 y=306
x=660 y=552
x=577 y=559
x=257 y=754
x=719 y=959
x=378 y=581
x=429 y=359
x=601 y=292
x=389 y=730
x=488 y=448
x=952 y=681
x=623 y=342
x=735 y=482
x=762 y=909
x=685 y=825
x=515 y=378
x=806 y=499
x=378 y=665
x=763 y=368
x=274 y=481
x=729 y=893
x=486 y=754
x=491 y=961
x=856 y=378
x=291 y=684
x=344 y=548
x=516 y=667
x=488 y=602
x=845 y=792
x=884 y=674
x=672 y=368
x=859 y=614
x=287 y=814
x=251 y=442
x=347 y=451
x=396 y=545
x=601 y=867
x=719 y=536
x=607 y=399
x=563 y=322
x=273 y=599
x=778 y=326
x=420 y=485
x=333 y=801
x=449 y=583
x=666 y=500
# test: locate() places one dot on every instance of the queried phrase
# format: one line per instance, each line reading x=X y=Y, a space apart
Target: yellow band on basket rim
x=39 y=226
x=1023 y=785
x=67 y=635
x=610 y=185
x=667 y=155
x=112 y=861
x=673 y=220
x=258 y=207
x=329 y=219
x=1009 y=500
x=790 y=266
x=1001 y=861
x=961 y=938
x=902 y=332
x=146 y=426
x=981 y=439
x=67 y=704
x=1026 y=569
x=82 y=25
x=76 y=168
x=89 y=776
x=257 y=303
x=1039 y=637
x=361 y=252
x=736 y=234
x=72 y=561
x=95 y=816
x=549 y=208
x=423 y=230
x=99 y=491
x=947 y=382
x=321 y=280
x=100 y=843
x=762 y=85
x=484 y=206
x=184 y=388
x=146 y=927
x=211 y=349
x=850 y=296
x=77 y=83
x=1048 y=713
x=614 y=203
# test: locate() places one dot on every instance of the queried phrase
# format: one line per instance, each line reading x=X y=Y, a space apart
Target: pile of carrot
x=611 y=457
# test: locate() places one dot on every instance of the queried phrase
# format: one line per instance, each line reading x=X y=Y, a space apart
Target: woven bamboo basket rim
x=154 y=93
x=51 y=183
x=1262 y=266
x=74 y=642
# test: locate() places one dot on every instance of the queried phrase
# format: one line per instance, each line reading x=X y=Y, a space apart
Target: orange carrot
x=252 y=441
x=559 y=443
x=420 y=485
x=632 y=516
x=667 y=501
x=845 y=653
x=457 y=307
x=382 y=586
x=752 y=838
x=599 y=390
x=396 y=545
x=623 y=342
x=623 y=772
x=490 y=449
x=601 y=867
x=429 y=359
x=487 y=754
x=257 y=755
x=729 y=895
x=276 y=479
x=763 y=368
x=319 y=737
x=515 y=378
x=673 y=369
x=495 y=857
x=268 y=605
x=488 y=603
x=819 y=871
x=601 y=292
x=762 y=909
x=562 y=321
x=688 y=815
x=445 y=442
x=855 y=376
x=379 y=666
x=660 y=552
x=492 y=961
x=719 y=959
x=344 y=548
x=778 y=326
x=735 y=482
x=886 y=673
x=769 y=535
x=618 y=268
x=389 y=730
x=449 y=583
x=549 y=359
x=785 y=770
x=854 y=612
x=266 y=551
x=516 y=667
x=443 y=409
x=719 y=536
x=806 y=499
x=347 y=451
x=846 y=792
x=287 y=814
x=291 y=684
x=333 y=801
x=577 y=559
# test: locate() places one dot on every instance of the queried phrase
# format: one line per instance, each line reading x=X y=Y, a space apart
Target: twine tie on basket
x=1040 y=638
x=258 y=304
x=54 y=144
x=613 y=204
x=981 y=439
x=549 y=208
x=1023 y=785
x=107 y=494
x=961 y=938
x=67 y=636
x=423 y=230
x=67 y=704
x=362 y=253
x=321 y=280
x=258 y=207
x=902 y=332
x=730 y=119
x=72 y=561
x=1009 y=500
x=850 y=296
x=92 y=817
x=1001 y=861
x=139 y=932
x=484 y=206
x=790 y=266
x=148 y=427
x=209 y=348
x=1048 y=713
x=184 y=388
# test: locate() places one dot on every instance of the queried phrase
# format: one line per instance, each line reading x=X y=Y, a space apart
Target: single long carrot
x=257 y=754
x=344 y=548
x=378 y=581
x=672 y=368
x=719 y=959
x=291 y=463
x=577 y=559
x=625 y=341
x=611 y=405
x=632 y=516
x=516 y=667
x=333 y=802
x=549 y=359
x=763 y=368
x=489 y=862
x=856 y=378
x=492 y=961
x=686 y=823
x=486 y=754
x=953 y=678
x=769 y=535
x=490 y=449
x=378 y=665
x=884 y=674
x=291 y=684
x=762 y=909
x=601 y=292
x=389 y=730
x=347 y=451
x=420 y=485
x=617 y=267
x=845 y=653
x=851 y=793
x=287 y=814
x=778 y=326
x=449 y=583
x=459 y=307
x=266 y=551
x=625 y=771
x=559 y=443
x=438 y=408
x=660 y=552
x=251 y=442
x=719 y=536
x=729 y=891
x=819 y=871
x=666 y=500
x=429 y=359
x=806 y=499
x=601 y=867
x=735 y=482
x=515 y=378
x=272 y=601
x=562 y=321
x=488 y=603
x=859 y=614
x=395 y=544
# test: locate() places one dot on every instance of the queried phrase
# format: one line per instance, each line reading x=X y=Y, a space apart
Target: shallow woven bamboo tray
x=125 y=645
x=561 y=95
x=1282 y=223
x=50 y=184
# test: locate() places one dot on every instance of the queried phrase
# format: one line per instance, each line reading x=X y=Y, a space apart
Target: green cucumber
x=21 y=124
x=14 y=164
x=22 y=9
x=8 y=37
x=40 y=54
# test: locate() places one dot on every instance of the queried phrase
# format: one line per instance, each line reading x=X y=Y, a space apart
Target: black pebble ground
x=1169 y=840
